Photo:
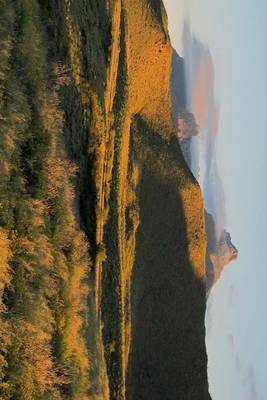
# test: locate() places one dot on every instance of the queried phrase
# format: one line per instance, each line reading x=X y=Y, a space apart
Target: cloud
x=233 y=293
x=250 y=381
x=237 y=361
x=246 y=372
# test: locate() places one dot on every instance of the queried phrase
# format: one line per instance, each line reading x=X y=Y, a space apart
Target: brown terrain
x=103 y=237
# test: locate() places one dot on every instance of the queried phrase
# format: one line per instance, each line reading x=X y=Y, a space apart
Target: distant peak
x=220 y=252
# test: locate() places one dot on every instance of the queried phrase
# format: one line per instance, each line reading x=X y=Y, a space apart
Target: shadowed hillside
x=102 y=234
x=168 y=340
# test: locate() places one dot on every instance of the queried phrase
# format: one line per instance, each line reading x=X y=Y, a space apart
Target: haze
x=234 y=34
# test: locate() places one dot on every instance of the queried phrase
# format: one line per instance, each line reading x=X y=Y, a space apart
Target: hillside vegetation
x=102 y=234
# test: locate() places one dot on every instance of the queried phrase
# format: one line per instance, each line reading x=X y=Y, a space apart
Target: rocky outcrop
x=220 y=251
x=184 y=120
x=187 y=126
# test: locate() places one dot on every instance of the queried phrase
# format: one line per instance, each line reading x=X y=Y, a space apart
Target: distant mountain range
x=220 y=249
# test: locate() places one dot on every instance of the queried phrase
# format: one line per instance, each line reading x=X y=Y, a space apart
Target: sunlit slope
x=146 y=140
x=102 y=225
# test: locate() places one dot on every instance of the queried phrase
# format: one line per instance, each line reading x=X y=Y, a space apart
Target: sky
x=235 y=34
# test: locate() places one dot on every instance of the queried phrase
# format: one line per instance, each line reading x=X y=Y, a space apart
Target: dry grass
x=85 y=112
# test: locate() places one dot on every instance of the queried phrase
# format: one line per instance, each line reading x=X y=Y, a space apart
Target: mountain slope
x=102 y=223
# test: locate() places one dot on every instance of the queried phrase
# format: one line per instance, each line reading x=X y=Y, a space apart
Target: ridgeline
x=102 y=228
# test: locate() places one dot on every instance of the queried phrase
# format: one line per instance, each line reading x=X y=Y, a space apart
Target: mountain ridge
x=220 y=251
x=102 y=221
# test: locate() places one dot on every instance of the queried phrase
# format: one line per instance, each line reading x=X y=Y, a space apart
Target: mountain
x=184 y=120
x=102 y=238
x=220 y=251
x=178 y=83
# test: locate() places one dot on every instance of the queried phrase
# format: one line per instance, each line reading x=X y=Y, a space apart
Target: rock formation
x=220 y=251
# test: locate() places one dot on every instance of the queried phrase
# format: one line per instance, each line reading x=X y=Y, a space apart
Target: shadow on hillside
x=168 y=355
